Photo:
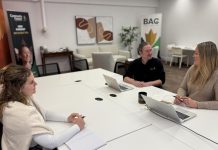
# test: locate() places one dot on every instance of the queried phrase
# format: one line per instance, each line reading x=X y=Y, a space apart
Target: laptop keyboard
x=181 y=115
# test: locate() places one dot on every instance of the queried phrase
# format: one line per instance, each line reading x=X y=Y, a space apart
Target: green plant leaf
x=128 y=35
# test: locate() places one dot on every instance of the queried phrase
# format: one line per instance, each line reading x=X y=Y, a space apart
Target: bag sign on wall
x=151 y=29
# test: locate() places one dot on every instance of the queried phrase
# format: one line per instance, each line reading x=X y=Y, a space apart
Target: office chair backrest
x=177 y=51
x=48 y=69
x=169 y=48
x=80 y=64
x=103 y=60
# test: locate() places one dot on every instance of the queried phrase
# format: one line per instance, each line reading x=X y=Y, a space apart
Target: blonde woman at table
x=199 y=88
x=146 y=70
x=23 y=119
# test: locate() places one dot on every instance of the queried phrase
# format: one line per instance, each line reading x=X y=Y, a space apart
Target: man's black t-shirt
x=152 y=70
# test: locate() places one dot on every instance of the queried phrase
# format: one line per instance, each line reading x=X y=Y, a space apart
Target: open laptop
x=167 y=111
x=115 y=85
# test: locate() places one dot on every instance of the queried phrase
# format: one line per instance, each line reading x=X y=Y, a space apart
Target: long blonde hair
x=208 y=63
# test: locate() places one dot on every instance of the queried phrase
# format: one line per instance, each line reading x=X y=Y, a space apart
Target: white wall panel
x=188 y=22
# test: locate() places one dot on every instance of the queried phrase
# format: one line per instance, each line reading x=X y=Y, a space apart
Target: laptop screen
x=114 y=84
x=167 y=110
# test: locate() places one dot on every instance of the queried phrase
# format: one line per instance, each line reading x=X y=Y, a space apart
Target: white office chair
x=155 y=51
x=169 y=52
x=178 y=53
x=103 y=60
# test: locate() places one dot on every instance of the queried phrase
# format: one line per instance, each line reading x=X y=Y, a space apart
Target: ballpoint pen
x=81 y=117
x=180 y=99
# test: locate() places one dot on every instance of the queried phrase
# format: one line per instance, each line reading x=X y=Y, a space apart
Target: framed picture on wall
x=104 y=29
x=85 y=29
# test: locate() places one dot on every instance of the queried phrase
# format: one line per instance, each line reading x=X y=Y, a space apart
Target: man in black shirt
x=146 y=70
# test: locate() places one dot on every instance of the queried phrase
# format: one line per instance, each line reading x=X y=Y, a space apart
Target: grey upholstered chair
x=103 y=60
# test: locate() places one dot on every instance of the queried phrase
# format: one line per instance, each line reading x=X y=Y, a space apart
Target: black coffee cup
x=140 y=98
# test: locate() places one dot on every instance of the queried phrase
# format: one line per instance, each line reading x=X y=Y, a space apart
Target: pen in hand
x=181 y=99
x=81 y=117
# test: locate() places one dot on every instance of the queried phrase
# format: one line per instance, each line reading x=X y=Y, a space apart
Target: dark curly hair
x=141 y=45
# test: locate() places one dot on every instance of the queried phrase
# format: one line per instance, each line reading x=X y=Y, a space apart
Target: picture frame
x=85 y=29
x=104 y=29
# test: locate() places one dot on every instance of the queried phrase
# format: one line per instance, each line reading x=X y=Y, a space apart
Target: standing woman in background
x=23 y=119
x=199 y=88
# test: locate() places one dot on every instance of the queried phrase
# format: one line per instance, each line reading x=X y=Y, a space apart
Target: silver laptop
x=115 y=85
x=167 y=111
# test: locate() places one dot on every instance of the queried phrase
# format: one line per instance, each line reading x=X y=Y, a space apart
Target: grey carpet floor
x=174 y=77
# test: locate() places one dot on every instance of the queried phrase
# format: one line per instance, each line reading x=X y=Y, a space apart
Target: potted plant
x=128 y=36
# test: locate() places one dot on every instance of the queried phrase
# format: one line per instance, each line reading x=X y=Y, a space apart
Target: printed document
x=85 y=140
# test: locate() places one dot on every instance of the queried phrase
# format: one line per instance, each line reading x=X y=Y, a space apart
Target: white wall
x=188 y=22
x=60 y=16
x=185 y=22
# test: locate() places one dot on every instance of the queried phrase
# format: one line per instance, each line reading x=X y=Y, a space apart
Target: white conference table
x=120 y=120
